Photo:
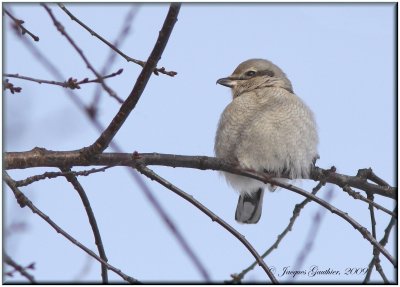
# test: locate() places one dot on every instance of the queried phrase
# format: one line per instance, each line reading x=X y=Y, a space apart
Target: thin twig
x=312 y=233
x=10 y=86
x=22 y=270
x=106 y=137
x=372 y=215
x=237 y=277
x=18 y=23
x=92 y=220
x=357 y=195
x=42 y=59
x=153 y=176
x=378 y=266
x=51 y=68
x=362 y=230
x=375 y=251
x=71 y=83
x=383 y=242
x=126 y=57
x=34 y=178
x=61 y=29
x=24 y=201
x=112 y=56
x=173 y=228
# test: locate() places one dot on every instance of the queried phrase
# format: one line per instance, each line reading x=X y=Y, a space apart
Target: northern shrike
x=266 y=128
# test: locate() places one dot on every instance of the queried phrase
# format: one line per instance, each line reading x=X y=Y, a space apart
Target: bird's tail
x=249 y=207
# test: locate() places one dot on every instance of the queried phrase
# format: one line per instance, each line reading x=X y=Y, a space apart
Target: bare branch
x=49 y=175
x=312 y=233
x=92 y=220
x=71 y=83
x=375 y=251
x=24 y=201
x=42 y=59
x=367 y=173
x=353 y=181
x=173 y=228
x=18 y=23
x=126 y=57
x=153 y=176
x=39 y=157
x=237 y=278
x=75 y=158
x=9 y=86
x=372 y=214
x=112 y=56
x=106 y=137
x=383 y=242
x=357 y=195
x=18 y=268
x=61 y=29
x=92 y=117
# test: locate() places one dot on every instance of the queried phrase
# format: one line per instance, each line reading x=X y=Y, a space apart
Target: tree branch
x=22 y=270
x=367 y=173
x=90 y=112
x=126 y=57
x=153 y=176
x=24 y=201
x=92 y=220
x=34 y=178
x=71 y=83
x=18 y=23
x=357 y=195
x=106 y=137
x=237 y=278
x=10 y=86
x=39 y=157
x=382 y=242
x=42 y=157
x=51 y=68
x=122 y=35
x=61 y=29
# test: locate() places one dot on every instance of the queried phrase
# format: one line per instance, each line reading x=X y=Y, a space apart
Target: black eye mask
x=266 y=73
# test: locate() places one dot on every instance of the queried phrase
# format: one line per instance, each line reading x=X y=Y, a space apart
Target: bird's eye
x=250 y=73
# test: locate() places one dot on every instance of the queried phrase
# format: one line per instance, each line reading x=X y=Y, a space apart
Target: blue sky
x=340 y=59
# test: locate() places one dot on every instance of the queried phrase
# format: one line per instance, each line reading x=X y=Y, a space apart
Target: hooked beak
x=227 y=82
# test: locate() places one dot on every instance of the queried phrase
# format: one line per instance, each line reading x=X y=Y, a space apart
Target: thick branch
x=39 y=157
x=200 y=162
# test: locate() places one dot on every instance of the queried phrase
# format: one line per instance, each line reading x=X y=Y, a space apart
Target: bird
x=265 y=128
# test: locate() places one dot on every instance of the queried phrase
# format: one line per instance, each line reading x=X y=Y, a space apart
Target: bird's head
x=253 y=74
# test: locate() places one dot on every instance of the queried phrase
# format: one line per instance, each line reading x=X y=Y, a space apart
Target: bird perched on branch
x=266 y=128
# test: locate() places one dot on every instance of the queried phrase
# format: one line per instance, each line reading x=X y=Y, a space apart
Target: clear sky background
x=340 y=59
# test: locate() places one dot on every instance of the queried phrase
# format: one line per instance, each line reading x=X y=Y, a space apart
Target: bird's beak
x=227 y=82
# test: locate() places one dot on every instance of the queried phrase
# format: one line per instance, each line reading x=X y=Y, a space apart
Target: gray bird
x=266 y=128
